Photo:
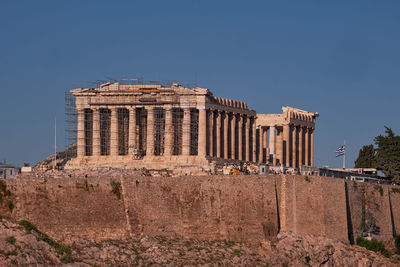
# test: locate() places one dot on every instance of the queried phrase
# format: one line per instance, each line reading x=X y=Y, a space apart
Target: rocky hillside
x=61 y=159
x=23 y=245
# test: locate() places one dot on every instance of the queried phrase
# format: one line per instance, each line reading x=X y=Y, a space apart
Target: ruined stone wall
x=204 y=207
x=395 y=207
x=314 y=205
x=371 y=203
x=67 y=208
x=239 y=208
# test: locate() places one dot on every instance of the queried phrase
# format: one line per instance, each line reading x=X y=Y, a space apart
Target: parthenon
x=158 y=126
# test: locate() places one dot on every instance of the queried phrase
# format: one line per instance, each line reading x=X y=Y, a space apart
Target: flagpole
x=344 y=155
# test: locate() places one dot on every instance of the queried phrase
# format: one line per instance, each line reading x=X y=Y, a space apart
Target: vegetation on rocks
x=397 y=243
x=116 y=188
x=373 y=245
x=63 y=252
x=5 y=194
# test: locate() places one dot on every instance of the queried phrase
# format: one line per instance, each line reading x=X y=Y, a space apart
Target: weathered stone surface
x=101 y=205
x=20 y=248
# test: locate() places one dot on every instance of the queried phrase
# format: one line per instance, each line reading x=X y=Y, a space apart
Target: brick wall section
x=239 y=208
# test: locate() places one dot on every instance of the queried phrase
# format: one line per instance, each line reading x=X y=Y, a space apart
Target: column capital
x=168 y=107
x=149 y=107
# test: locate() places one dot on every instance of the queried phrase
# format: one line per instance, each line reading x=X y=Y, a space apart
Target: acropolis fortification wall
x=251 y=208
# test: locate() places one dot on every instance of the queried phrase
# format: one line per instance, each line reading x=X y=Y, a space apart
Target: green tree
x=366 y=157
x=387 y=155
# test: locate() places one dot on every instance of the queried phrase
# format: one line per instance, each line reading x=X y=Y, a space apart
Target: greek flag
x=340 y=151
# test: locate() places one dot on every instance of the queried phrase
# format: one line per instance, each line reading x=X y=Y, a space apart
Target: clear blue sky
x=341 y=59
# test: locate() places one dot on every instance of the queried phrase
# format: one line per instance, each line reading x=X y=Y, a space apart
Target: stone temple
x=186 y=130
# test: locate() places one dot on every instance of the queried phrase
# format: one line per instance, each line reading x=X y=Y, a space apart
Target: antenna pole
x=55 y=142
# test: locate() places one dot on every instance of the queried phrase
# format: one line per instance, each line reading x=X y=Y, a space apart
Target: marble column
x=226 y=122
x=132 y=130
x=218 y=133
x=307 y=147
x=211 y=133
x=233 y=126
x=286 y=138
x=169 y=132
x=312 y=148
x=240 y=137
x=294 y=146
x=272 y=152
x=279 y=147
x=265 y=136
x=96 y=132
x=114 y=132
x=301 y=142
x=247 y=137
x=150 y=131
x=186 y=132
x=254 y=151
x=261 y=146
x=80 y=148
x=202 y=141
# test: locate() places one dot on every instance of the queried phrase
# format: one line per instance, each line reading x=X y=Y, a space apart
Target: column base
x=182 y=165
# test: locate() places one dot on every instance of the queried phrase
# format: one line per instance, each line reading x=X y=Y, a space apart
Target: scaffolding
x=159 y=131
x=177 y=120
x=251 y=148
x=141 y=123
x=88 y=132
x=194 y=131
x=71 y=122
x=105 y=131
x=123 y=131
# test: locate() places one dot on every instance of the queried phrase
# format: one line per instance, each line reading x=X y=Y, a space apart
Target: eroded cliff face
x=252 y=209
x=21 y=246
